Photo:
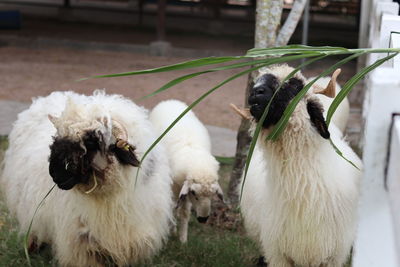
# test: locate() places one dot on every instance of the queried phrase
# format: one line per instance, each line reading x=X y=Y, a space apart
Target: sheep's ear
x=330 y=90
x=184 y=191
x=72 y=109
x=125 y=153
x=244 y=113
x=183 y=194
x=54 y=120
x=218 y=191
x=315 y=110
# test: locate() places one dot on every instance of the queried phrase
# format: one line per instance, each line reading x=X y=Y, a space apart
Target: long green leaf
x=348 y=86
x=179 y=66
x=268 y=52
x=294 y=49
x=26 y=239
x=280 y=126
x=264 y=116
x=268 y=61
x=190 y=107
x=322 y=50
x=173 y=83
x=341 y=154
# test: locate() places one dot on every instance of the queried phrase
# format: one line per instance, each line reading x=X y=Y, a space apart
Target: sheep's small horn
x=119 y=131
x=54 y=120
x=330 y=90
x=244 y=113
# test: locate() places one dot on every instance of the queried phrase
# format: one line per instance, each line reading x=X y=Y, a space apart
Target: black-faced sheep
x=300 y=197
x=90 y=146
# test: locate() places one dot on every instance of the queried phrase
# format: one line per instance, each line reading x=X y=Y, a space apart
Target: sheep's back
x=189 y=131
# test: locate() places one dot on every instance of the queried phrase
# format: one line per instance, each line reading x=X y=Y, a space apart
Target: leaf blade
x=179 y=66
x=348 y=86
x=269 y=61
x=190 y=107
x=26 y=238
x=341 y=154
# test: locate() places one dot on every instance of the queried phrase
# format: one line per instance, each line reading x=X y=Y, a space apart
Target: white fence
x=378 y=237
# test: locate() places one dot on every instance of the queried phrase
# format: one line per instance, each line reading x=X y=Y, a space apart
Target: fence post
x=375 y=244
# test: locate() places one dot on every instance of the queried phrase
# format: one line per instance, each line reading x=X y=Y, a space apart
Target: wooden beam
x=161 y=20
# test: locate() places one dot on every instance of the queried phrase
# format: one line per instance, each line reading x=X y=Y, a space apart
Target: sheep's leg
x=33 y=246
x=174 y=228
x=184 y=216
x=262 y=262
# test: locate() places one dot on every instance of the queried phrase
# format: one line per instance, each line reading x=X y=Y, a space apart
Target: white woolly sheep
x=91 y=145
x=300 y=197
x=194 y=169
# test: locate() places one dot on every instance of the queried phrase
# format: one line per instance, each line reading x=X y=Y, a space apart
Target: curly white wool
x=126 y=223
x=300 y=197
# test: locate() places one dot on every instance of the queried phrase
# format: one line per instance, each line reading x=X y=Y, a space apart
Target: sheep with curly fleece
x=300 y=197
x=90 y=147
x=194 y=168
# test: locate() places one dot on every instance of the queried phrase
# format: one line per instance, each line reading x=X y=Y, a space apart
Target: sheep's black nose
x=263 y=90
x=258 y=90
x=202 y=219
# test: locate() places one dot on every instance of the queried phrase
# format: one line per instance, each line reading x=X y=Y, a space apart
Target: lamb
x=194 y=169
x=300 y=197
x=90 y=147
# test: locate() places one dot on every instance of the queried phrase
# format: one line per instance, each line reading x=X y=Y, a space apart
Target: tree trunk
x=161 y=6
x=268 y=17
x=243 y=142
x=267 y=22
x=290 y=24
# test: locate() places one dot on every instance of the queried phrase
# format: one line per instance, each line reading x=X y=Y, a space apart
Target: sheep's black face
x=70 y=163
x=262 y=92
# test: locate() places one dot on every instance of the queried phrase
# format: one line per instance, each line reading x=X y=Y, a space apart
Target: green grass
x=11 y=243
x=208 y=246
x=3 y=143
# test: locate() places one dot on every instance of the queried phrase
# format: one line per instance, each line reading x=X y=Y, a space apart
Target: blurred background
x=46 y=45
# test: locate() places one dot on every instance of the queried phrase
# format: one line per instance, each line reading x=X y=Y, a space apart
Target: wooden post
x=160 y=47
x=161 y=20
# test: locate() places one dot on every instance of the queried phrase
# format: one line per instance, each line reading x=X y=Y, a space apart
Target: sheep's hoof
x=183 y=239
x=174 y=230
x=261 y=262
x=202 y=219
x=32 y=244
